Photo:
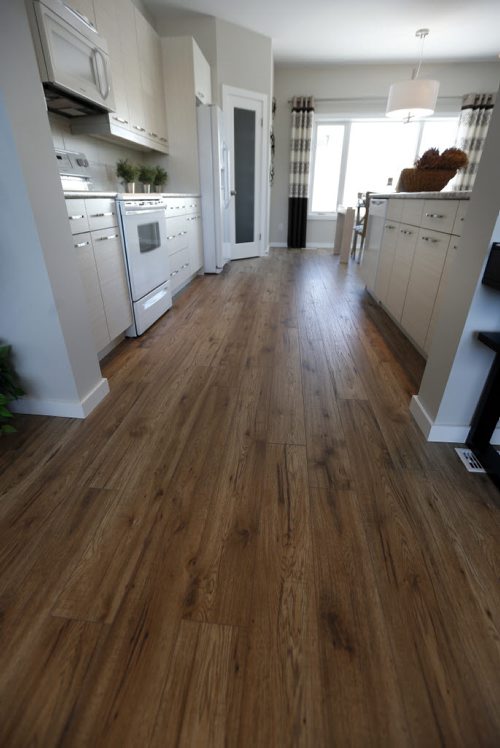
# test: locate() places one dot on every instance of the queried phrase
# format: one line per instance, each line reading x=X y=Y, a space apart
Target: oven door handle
x=160 y=212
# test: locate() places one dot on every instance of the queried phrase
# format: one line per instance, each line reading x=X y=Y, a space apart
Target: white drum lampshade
x=412 y=99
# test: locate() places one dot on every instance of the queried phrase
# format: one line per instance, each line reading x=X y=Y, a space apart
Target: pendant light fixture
x=415 y=98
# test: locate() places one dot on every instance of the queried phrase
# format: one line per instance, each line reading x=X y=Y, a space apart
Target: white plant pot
x=130 y=187
x=146 y=187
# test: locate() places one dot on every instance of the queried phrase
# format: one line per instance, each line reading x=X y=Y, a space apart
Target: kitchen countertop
x=124 y=195
x=456 y=195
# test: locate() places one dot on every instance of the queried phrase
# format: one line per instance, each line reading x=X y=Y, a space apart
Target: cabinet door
x=108 y=23
x=112 y=280
x=401 y=267
x=195 y=242
x=92 y=288
x=130 y=62
x=202 y=77
x=427 y=267
x=386 y=259
x=145 y=48
x=450 y=259
x=460 y=217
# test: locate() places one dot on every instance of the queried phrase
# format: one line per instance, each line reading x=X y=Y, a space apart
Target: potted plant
x=127 y=172
x=160 y=178
x=146 y=176
x=433 y=170
x=9 y=389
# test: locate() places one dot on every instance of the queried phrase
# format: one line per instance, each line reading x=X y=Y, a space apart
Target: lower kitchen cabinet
x=401 y=268
x=428 y=263
x=112 y=280
x=91 y=285
x=102 y=268
x=184 y=236
x=415 y=258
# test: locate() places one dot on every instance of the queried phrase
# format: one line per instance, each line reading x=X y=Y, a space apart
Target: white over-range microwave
x=72 y=58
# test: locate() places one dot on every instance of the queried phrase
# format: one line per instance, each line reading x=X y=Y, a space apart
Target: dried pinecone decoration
x=429 y=160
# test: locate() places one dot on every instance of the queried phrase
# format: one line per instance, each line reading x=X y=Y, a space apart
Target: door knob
x=233 y=192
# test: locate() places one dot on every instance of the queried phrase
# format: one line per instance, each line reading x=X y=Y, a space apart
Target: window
x=354 y=156
x=327 y=162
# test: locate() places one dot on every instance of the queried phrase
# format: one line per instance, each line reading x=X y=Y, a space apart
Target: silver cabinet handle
x=101 y=215
x=75 y=218
x=377 y=202
x=121 y=119
x=105 y=238
x=172 y=236
x=81 y=244
x=141 y=129
x=430 y=239
x=434 y=215
x=153 y=134
x=164 y=140
x=389 y=226
x=404 y=231
x=186 y=265
x=173 y=273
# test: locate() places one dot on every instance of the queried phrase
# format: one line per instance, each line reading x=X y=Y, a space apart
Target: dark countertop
x=424 y=195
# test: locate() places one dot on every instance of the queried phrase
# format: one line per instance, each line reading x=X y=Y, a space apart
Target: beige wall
x=366 y=82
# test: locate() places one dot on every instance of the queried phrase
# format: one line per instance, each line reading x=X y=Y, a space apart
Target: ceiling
x=329 y=31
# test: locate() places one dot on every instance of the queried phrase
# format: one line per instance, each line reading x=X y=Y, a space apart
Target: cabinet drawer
x=412 y=211
x=193 y=205
x=386 y=259
x=180 y=268
x=458 y=223
x=77 y=216
x=101 y=213
x=439 y=215
x=177 y=206
x=177 y=234
x=395 y=209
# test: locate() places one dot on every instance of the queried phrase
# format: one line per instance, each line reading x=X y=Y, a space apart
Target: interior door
x=244 y=120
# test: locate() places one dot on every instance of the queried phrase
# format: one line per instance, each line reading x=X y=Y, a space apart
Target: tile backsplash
x=101 y=154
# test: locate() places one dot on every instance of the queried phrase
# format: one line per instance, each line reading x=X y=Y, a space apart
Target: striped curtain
x=473 y=125
x=300 y=156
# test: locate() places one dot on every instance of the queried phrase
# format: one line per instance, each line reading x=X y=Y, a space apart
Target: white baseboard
x=309 y=245
x=62 y=408
x=442 y=432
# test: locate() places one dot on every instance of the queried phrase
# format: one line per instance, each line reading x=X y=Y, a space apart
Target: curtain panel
x=473 y=126
x=300 y=156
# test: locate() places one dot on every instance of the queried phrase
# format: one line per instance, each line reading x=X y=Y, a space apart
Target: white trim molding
x=442 y=432
x=62 y=408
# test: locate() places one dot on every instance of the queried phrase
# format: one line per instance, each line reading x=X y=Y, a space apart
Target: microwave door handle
x=100 y=67
x=81 y=17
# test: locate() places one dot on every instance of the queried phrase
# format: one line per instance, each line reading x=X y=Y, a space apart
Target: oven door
x=145 y=242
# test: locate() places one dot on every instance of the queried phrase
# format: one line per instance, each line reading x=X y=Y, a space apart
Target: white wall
x=458 y=364
x=43 y=312
x=101 y=154
x=366 y=82
x=244 y=59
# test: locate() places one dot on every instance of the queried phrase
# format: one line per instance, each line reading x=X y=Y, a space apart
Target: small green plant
x=9 y=389
x=160 y=176
x=126 y=171
x=146 y=174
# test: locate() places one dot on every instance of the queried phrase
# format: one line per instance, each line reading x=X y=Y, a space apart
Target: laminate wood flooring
x=249 y=542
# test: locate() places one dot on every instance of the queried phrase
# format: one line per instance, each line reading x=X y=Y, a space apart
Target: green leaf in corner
x=6 y=428
x=4 y=413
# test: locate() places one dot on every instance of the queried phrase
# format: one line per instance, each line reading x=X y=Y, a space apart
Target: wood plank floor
x=249 y=542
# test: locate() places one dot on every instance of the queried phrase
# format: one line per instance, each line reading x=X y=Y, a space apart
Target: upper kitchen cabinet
x=202 y=76
x=135 y=54
x=186 y=75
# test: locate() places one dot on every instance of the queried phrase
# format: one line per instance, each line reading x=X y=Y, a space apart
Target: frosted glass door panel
x=244 y=174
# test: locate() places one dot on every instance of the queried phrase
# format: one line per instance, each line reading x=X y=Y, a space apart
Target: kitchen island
x=411 y=243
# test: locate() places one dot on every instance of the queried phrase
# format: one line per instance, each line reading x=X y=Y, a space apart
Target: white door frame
x=263 y=187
